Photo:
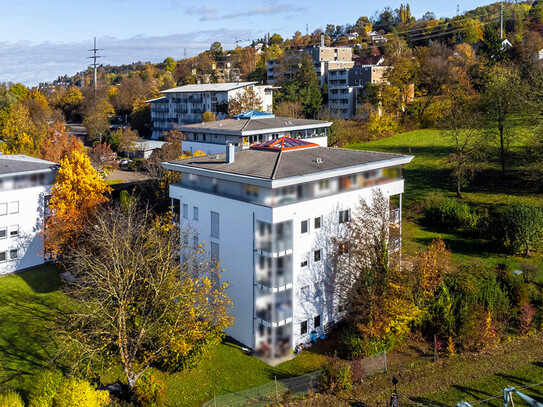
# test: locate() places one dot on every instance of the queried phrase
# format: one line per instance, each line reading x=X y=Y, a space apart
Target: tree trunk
x=458 y=189
x=502 y=147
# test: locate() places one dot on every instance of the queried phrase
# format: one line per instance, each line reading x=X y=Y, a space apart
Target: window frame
x=317 y=255
x=315 y=226
x=5 y=230
x=306 y=223
x=195 y=213
x=317 y=321
x=11 y=251
x=303 y=327
x=14 y=228
x=15 y=204
x=215 y=232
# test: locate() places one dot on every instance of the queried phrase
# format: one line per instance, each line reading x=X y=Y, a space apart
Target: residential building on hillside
x=25 y=185
x=249 y=128
x=268 y=213
x=186 y=104
x=324 y=59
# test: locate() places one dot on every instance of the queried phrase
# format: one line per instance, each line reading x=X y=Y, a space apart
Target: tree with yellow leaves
x=79 y=189
x=19 y=134
x=137 y=302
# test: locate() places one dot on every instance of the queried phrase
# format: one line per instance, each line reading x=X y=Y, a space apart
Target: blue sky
x=42 y=39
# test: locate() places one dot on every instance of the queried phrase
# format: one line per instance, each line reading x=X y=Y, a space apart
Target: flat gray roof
x=13 y=164
x=272 y=165
x=251 y=125
x=209 y=87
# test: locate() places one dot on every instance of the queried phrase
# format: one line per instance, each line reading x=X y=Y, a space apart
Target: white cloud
x=31 y=63
x=208 y=13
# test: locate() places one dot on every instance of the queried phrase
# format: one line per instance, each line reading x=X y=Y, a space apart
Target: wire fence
x=276 y=390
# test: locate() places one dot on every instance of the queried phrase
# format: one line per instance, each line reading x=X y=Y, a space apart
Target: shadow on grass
x=27 y=340
x=475 y=393
x=427 y=401
x=42 y=280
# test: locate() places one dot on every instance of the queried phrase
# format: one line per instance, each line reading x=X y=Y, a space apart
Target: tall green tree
x=501 y=98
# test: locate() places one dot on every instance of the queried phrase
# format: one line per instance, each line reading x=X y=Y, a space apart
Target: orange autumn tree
x=79 y=189
x=59 y=144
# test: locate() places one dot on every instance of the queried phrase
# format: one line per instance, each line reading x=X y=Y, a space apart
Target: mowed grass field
x=429 y=173
x=29 y=303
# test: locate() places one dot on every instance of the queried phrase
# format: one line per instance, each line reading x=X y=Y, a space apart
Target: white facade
x=23 y=199
x=275 y=246
x=186 y=104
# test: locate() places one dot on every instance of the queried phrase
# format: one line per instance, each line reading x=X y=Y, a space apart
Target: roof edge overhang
x=242 y=133
x=298 y=179
x=13 y=174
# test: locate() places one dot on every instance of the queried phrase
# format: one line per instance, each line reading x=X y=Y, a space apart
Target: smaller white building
x=25 y=185
x=250 y=128
x=186 y=104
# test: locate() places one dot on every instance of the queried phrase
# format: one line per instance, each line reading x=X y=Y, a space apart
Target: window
x=185 y=211
x=3 y=257
x=14 y=207
x=14 y=231
x=13 y=254
x=196 y=213
x=343 y=248
x=318 y=289
x=344 y=216
x=317 y=255
x=324 y=184
x=317 y=321
x=303 y=328
x=3 y=232
x=195 y=241
x=3 y=208
x=215 y=224
x=317 y=223
x=305 y=257
x=215 y=251
x=304 y=226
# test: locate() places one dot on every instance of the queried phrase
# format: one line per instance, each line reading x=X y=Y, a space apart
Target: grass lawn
x=28 y=305
x=428 y=173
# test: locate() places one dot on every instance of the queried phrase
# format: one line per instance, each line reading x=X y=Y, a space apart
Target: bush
x=53 y=389
x=149 y=391
x=358 y=346
x=449 y=213
x=517 y=227
x=11 y=399
x=46 y=386
x=336 y=375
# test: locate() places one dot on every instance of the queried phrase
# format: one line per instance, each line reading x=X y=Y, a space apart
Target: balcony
x=395 y=216
x=196 y=99
x=197 y=109
x=274 y=241
x=275 y=308
x=274 y=274
x=160 y=109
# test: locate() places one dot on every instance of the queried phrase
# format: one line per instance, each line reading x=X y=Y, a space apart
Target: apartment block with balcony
x=249 y=128
x=25 y=185
x=186 y=104
x=268 y=213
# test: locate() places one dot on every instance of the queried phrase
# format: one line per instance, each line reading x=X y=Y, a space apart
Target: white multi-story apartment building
x=268 y=213
x=186 y=104
x=249 y=128
x=25 y=184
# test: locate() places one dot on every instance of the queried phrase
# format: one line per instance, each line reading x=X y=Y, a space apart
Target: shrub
x=449 y=213
x=526 y=318
x=51 y=388
x=149 y=391
x=45 y=388
x=358 y=346
x=79 y=393
x=11 y=399
x=517 y=227
x=336 y=375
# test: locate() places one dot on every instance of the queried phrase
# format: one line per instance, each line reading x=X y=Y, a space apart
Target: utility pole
x=307 y=29
x=184 y=53
x=458 y=9
x=94 y=57
x=501 y=22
